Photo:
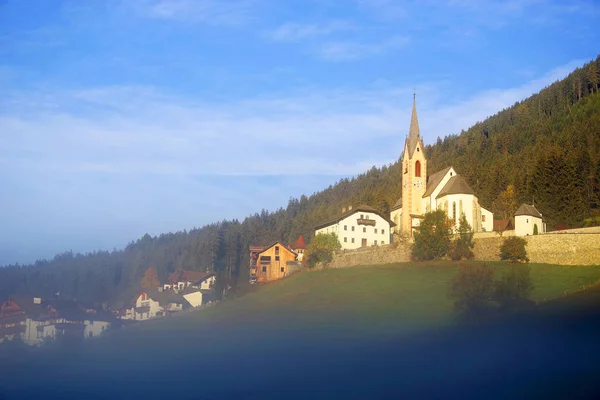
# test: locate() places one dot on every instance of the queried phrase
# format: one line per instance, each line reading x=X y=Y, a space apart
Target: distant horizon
x=133 y=117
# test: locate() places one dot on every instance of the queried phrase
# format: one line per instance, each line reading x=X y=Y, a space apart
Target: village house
x=529 y=221
x=155 y=302
x=180 y=280
x=47 y=320
x=142 y=307
x=445 y=190
x=359 y=227
x=299 y=247
x=12 y=320
x=268 y=263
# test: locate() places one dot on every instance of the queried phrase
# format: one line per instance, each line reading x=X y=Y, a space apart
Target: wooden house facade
x=269 y=263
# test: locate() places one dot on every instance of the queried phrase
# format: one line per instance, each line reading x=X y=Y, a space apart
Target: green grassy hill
x=358 y=331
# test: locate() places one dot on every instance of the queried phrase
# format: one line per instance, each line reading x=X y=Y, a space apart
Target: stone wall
x=493 y=234
x=371 y=256
x=562 y=249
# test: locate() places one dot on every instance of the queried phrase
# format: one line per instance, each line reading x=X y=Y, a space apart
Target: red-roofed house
x=12 y=320
x=299 y=247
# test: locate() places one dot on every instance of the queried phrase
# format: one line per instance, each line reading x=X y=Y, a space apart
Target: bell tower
x=414 y=173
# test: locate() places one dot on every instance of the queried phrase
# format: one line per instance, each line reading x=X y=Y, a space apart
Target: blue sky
x=121 y=117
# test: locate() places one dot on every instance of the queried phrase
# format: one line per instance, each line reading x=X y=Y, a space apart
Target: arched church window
x=460 y=208
x=454 y=210
x=418 y=168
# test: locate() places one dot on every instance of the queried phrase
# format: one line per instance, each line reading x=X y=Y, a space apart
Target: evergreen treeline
x=547 y=146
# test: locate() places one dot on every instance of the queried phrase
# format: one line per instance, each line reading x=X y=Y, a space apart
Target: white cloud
x=137 y=130
x=212 y=12
x=348 y=51
x=294 y=31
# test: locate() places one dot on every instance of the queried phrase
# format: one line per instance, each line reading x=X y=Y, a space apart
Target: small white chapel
x=445 y=189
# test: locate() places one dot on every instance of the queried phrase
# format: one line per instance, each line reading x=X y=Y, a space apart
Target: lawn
x=379 y=299
x=339 y=333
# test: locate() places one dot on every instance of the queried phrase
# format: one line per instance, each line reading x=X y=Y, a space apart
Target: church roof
x=434 y=180
x=414 y=135
x=527 y=209
x=456 y=185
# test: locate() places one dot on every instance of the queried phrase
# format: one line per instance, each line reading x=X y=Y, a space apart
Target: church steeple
x=414 y=135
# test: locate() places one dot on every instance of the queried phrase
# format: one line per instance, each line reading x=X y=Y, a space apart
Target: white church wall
x=396 y=217
x=431 y=200
x=524 y=225
x=487 y=220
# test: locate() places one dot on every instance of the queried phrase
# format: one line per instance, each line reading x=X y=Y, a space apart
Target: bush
x=433 y=238
x=462 y=245
x=513 y=249
x=321 y=249
x=535 y=229
x=515 y=287
x=472 y=290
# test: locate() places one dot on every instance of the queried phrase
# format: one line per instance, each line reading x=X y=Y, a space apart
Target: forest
x=544 y=149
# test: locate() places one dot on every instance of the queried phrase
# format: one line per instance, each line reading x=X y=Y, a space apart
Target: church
x=445 y=189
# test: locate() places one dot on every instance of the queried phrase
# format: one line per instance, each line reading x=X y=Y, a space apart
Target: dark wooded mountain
x=547 y=146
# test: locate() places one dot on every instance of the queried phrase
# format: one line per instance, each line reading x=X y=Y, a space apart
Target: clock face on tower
x=418 y=183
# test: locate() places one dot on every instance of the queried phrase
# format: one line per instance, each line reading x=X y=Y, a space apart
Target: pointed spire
x=414 y=121
x=414 y=135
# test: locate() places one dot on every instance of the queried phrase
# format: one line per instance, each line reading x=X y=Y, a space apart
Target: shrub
x=535 y=229
x=462 y=245
x=472 y=290
x=433 y=238
x=513 y=249
x=321 y=249
x=514 y=288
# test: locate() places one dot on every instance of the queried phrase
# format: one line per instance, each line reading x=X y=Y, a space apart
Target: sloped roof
x=363 y=208
x=527 y=209
x=397 y=204
x=456 y=185
x=434 y=180
x=288 y=248
x=189 y=276
x=300 y=243
x=503 y=225
x=165 y=297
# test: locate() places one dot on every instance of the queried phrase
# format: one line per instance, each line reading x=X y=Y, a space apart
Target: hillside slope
x=547 y=146
x=353 y=333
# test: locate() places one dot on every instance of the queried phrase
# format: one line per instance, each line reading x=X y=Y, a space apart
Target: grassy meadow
x=321 y=325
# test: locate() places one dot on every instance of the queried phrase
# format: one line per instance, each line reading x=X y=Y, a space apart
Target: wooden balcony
x=370 y=222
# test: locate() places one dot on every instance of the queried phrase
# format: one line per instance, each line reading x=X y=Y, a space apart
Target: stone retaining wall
x=562 y=249
x=371 y=256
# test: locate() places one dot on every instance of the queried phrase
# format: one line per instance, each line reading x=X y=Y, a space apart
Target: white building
x=181 y=280
x=194 y=298
x=527 y=218
x=445 y=190
x=142 y=307
x=359 y=227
